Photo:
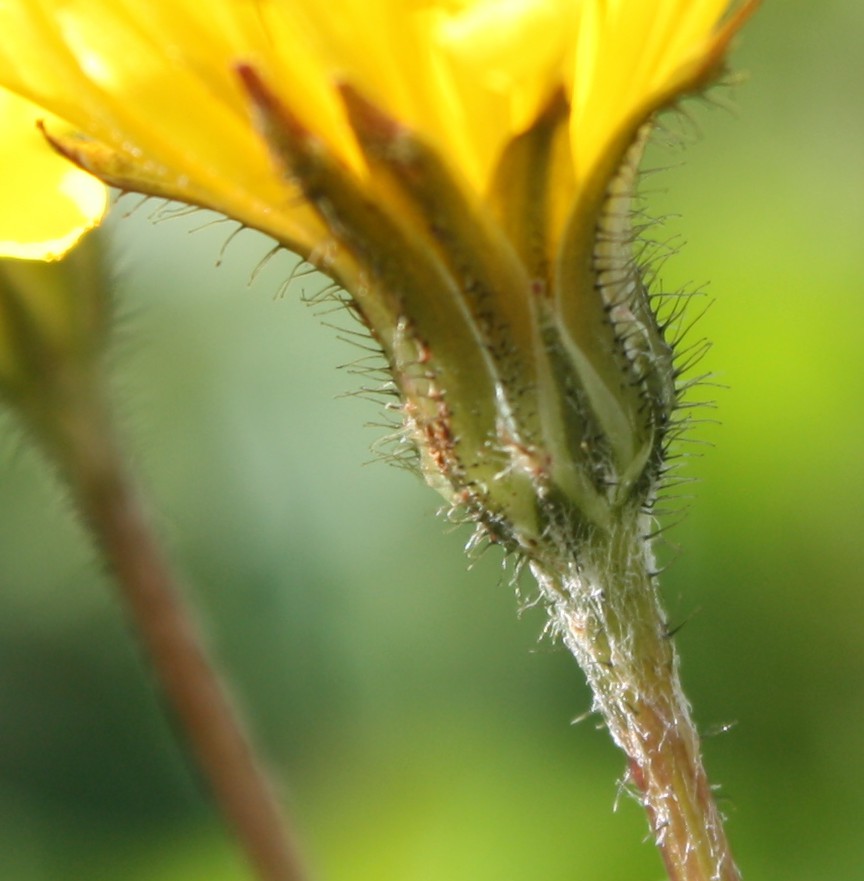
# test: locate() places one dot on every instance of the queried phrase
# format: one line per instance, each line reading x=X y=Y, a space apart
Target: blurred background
x=421 y=729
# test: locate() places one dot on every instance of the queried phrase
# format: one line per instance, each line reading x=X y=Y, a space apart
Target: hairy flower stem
x=70 y=420
x=609 y=616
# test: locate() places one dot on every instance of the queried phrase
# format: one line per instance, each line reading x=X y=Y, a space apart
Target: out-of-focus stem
x=71 y=422
x=610 y=618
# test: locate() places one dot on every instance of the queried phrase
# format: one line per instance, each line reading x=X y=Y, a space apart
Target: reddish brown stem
x=690 y=836
x=79 y=437
x=608 y=613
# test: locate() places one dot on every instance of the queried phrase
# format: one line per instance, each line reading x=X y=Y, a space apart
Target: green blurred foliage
x=420 y=728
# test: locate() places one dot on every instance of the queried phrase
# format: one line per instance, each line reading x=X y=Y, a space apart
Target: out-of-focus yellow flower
x=47 y=204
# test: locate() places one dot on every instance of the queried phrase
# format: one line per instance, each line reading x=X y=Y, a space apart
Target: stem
x=78 y=435
x=610 y=618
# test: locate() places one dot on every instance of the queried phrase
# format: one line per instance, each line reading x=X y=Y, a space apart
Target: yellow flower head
x=462 y=167
x=153 y=87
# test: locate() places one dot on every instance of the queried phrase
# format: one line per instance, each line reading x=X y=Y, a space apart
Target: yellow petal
x=155 y=80
x=47 y=203
x=153 y=83
x=630 y=56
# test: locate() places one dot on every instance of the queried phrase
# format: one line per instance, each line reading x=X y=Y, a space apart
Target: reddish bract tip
x=372 y=125
x=275 y=120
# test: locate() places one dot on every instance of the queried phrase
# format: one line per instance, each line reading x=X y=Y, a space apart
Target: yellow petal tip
x=47 y=203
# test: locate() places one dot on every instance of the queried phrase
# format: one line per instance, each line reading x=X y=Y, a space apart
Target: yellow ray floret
x=153 y=85
x=47 y=204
